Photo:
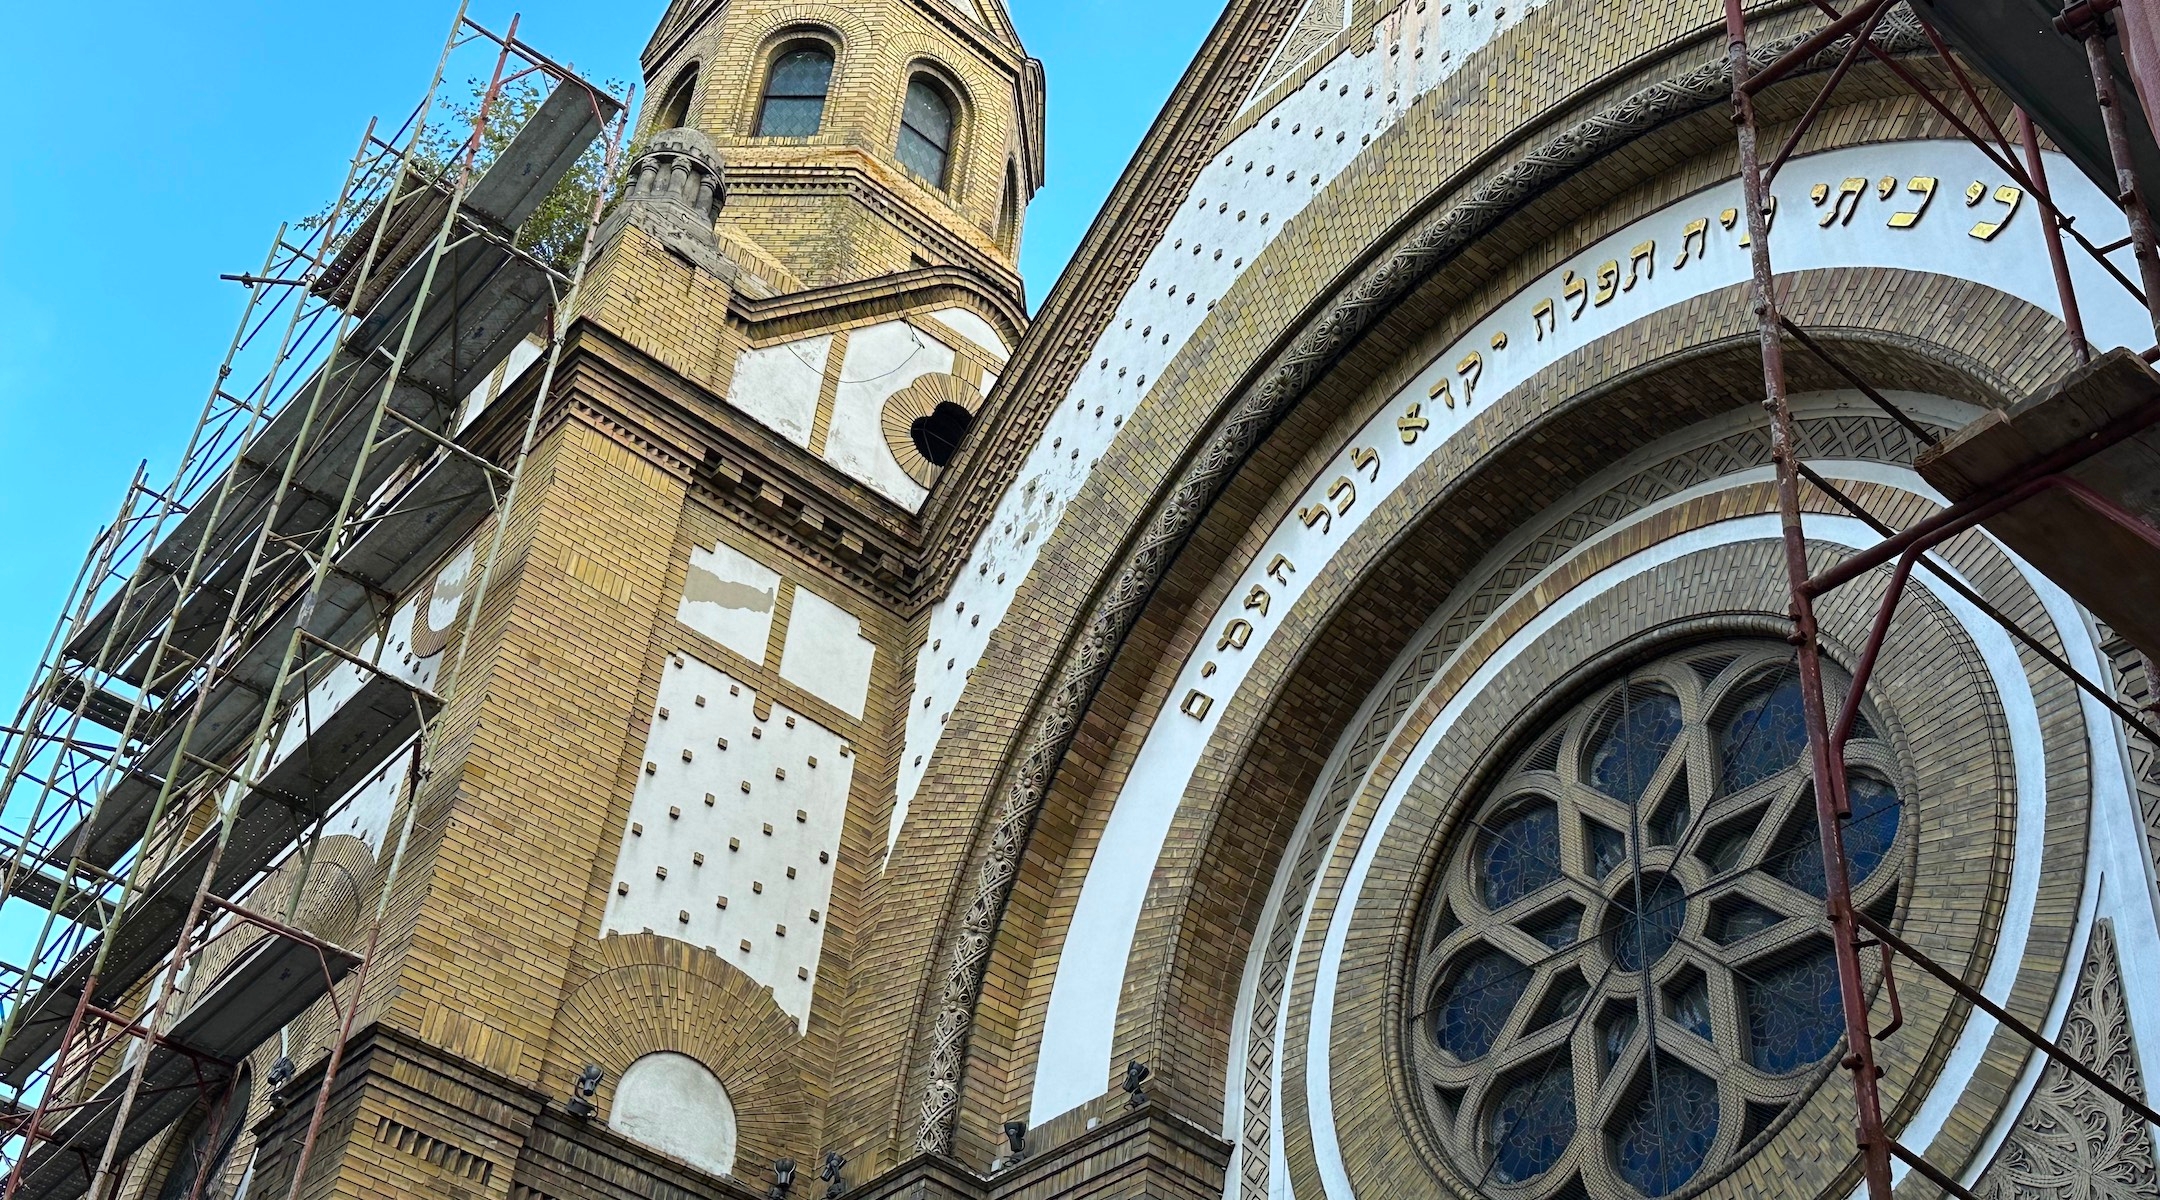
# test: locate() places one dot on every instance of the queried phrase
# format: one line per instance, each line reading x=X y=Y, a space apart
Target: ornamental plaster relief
x=1925 y=206
x=2072 y=1141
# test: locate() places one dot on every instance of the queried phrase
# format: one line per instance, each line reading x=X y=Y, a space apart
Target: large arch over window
x=794 y=101
x=674 y=111
x=927 y=119
x=670 y=1102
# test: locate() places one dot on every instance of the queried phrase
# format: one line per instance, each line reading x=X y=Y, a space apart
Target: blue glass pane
x=1532 y=1123
x=1607 y=848
x=1763 y=736
x=1691 y=1009
x=1476 y=1003
x=801 y=73
x=1663 y=1137
x=1643 y=726
x=1874 y=824
x=1636 y=939
x=786 y=117
x=1868 y=837
x=1519 y=855
x=1794 y=1012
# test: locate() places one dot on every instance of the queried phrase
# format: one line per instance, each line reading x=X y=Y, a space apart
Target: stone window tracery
x=1625 y=980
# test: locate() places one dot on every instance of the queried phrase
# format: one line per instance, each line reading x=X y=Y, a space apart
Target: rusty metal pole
x=2126 y=186
x=2073 y=322
x=1873 y=1140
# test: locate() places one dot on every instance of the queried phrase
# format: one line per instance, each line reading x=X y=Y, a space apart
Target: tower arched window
x=1008 y=229
x=674 y=112
x=926 y=131
x=794 y=103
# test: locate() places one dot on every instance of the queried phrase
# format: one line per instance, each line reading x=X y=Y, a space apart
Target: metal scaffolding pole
x=270 y=575
x=1853 y=931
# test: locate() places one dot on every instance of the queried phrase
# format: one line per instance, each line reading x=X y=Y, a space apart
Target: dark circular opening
x=937 y=436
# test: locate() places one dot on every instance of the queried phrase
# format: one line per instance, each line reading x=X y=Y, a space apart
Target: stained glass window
x=795 y=92
x=1607 y=848
x=1639 y=730
x=1477 y=1003
x=1794 y=1012
x=1532 y=1123
x=1641 y=937
x=1765 y=734
x=1869 y=835
x=1580 y=872
x=926 y=128
x=1664 y=1135
x=1521 y=855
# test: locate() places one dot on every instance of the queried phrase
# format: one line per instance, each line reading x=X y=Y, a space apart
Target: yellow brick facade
x=700 y=442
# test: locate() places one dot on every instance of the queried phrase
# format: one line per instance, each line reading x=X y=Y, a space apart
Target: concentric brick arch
x=1581 y=415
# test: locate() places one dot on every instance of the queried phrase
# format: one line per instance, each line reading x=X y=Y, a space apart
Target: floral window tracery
x=1626 y=982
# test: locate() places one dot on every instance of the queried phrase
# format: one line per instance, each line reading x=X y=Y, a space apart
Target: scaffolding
x=2066 y=72
x=221 y=678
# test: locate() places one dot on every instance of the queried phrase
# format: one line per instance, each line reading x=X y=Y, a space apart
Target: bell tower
x=861 y=140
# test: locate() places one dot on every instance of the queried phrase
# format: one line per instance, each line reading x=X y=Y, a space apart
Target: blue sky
x=171 y=153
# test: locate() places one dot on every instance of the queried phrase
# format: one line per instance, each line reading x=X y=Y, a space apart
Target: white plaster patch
x=826 y=652
x=881 y=359
x=447 y=598
x=1568 y=308
x=500 y=380
x=670 y=1102
x=733 y=830
x=778 y=385
x=974 y=329
x=728 y=597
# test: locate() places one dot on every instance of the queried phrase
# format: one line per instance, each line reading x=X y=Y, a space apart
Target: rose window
x=1626 y=980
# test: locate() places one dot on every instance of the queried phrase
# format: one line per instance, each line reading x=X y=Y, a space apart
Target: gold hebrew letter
x=1363 y=457
x=1922 y=186
x=1643 y=258
x=1196 y=704
x=1258 y=597
x=1277 y=565
x=1411 y=423
x=1234 y=635
x=1542 y=318
x=1696 y=234
x=1608 y=280
x=1884 y=186
x=1342 y=494
x=1499 y=340
x=1470 y=368
x=1575 y=287
x=1986 y=230
x=1443 y=391
x=1316 y=514
x=1840 y=212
